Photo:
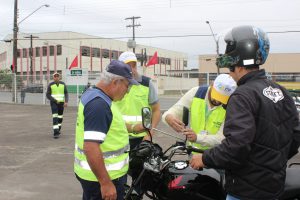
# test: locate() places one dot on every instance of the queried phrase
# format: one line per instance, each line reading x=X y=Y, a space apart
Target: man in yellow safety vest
x=207 y=113
x=57 y=94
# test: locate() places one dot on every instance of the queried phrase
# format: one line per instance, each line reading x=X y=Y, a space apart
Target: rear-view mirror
x=146 y=118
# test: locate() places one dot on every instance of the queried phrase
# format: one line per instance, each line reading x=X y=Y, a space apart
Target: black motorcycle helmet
x=246 y=46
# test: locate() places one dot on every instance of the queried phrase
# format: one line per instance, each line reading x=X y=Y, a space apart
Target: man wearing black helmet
x=261 y=122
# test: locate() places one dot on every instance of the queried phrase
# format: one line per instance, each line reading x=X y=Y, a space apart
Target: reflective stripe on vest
x=109 y=167
x=108 y=154
x=114 y=147
x=132 y=104
x=201 y=120
x=132 y=119
x=58 y=92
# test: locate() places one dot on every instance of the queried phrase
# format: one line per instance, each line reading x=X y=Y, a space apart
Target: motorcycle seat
x=292 y=183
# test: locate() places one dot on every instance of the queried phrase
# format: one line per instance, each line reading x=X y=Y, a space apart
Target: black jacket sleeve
x=239 y=132
x=296 y=142
x=66 y=94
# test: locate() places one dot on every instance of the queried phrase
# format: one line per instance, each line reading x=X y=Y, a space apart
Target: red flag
x=74 y=63
x=153 y=60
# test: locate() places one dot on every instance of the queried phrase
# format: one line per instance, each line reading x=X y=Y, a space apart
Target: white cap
x=223 y=87
x=127 y=57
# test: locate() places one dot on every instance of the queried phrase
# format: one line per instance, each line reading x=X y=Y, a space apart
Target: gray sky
x=105 y=18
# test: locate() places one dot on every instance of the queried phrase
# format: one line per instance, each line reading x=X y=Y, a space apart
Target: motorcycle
x=161 y=178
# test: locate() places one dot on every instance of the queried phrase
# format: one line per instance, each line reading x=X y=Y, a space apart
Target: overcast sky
x=106 y=18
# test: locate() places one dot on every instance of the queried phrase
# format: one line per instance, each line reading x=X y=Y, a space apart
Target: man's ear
x=114 y=81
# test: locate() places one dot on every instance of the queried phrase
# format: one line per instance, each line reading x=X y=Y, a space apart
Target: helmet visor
x=226 y=45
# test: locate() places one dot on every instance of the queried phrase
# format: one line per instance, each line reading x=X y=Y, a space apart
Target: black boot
x=56 y=134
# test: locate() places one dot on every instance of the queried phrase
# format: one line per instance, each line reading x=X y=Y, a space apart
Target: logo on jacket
x=274 y=94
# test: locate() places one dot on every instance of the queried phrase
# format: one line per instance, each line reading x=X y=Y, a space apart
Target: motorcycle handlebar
x=193 y=149
x=182 y=146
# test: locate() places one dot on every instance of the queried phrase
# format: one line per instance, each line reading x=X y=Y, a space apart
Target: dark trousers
x=57 y=115
x=91 y=189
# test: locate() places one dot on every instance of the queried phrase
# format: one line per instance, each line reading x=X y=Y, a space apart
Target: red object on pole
x=74 y=63
x=13 y=66
x=153 y=60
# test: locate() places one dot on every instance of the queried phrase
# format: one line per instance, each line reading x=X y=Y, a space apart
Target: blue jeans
x=229 y=197
x=91 y=189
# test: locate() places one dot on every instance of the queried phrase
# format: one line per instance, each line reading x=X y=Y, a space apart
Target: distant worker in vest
x=207 y=112
x=102 y=143
x=58 y=96
x=142 y=95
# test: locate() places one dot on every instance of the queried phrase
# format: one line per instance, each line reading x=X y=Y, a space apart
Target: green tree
x=6 y=78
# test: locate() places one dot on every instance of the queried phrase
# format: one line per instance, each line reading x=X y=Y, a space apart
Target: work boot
x=56 y=134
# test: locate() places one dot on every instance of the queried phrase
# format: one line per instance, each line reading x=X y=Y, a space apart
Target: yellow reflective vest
x=114 y=148
x=201 y=119
x=58 y=92
x=132 y=103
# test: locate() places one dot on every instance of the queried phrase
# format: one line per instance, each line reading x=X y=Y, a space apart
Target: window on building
x=85 y=51
x=37 y=51
x=162 y=60
x=168 y=61
x=105 y=53
x=51 y=50
x=96 y=52
x=184 y=63
x=59 y=49
x=18 y=53
x=44 y=51
x=114 y=55
x=139 y=56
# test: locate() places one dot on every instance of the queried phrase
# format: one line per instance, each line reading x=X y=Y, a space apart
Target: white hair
x=107 y=77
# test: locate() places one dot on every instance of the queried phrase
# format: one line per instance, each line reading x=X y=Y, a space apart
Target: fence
x=28 y=90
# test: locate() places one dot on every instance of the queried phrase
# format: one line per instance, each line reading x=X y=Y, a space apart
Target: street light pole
x=46 y=5
x=15 y=41
x=217 y=43
x=15 y=37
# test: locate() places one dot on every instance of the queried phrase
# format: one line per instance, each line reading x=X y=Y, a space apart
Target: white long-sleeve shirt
x=186 y=101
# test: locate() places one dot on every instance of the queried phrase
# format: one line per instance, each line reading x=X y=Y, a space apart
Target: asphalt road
x=33 y=165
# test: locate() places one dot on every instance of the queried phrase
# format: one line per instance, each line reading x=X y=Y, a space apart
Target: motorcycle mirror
x=146 y=118
x=185 y=116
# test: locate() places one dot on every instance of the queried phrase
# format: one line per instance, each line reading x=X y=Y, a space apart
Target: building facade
x=55 y=51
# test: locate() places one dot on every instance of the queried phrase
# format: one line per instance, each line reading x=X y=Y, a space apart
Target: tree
x=6 y=78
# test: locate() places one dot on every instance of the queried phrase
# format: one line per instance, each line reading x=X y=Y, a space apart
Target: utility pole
x=133 y=18
x=15 y=51
x=31 y=54
x=15 y=36
x=217 y=43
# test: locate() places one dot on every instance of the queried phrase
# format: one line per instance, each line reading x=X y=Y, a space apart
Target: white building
x=55 y=51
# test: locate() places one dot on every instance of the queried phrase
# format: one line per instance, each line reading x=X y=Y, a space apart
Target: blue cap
x=119 y=68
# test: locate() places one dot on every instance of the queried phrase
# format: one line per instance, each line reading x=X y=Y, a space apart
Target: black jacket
x=49 y=92
x=260 y=123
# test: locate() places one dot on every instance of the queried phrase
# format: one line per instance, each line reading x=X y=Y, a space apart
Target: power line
x=157 y=36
